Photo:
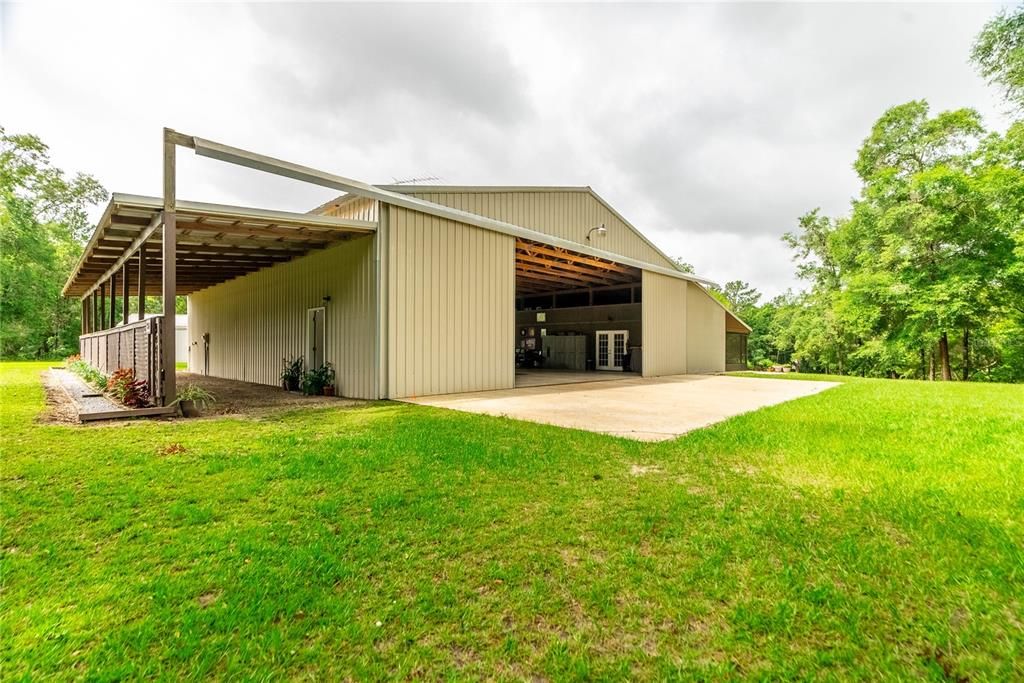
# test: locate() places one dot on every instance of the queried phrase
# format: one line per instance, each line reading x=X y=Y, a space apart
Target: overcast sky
x=711 y=128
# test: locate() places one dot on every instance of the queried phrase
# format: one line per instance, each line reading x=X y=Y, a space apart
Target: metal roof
x=216 y=242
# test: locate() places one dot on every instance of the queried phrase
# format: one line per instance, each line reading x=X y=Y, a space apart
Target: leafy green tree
x=927 y=271
x=931 y=251
x=43 y=221
x=740 y=296
x=924 y=235
x=682 y=265
x=999 y=54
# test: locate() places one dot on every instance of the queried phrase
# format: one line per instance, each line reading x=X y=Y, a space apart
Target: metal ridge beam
x=287 y=169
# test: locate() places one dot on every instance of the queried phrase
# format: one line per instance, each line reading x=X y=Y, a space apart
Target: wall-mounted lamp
x=600 y=230
x=327 y=299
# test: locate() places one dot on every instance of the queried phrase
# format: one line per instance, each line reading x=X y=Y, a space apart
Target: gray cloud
x=382 y=65
x=711 y=127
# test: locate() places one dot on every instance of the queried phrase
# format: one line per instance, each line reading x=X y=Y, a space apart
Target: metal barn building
x=406 y=290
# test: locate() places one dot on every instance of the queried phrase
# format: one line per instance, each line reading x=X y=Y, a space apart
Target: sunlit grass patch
x=870 y=531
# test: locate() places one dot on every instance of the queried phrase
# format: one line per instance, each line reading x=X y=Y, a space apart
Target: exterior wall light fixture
x=600 y=230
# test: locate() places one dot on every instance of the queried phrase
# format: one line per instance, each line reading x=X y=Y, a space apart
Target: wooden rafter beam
x=535 y=248
x=544 y=277
x=321 y=235
x=572 y=269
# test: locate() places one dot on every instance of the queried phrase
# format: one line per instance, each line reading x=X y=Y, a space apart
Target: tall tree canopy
x=999 y=54
x=43 y=222
x=927 y=271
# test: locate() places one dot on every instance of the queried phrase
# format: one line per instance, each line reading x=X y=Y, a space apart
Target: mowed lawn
x=874 y=530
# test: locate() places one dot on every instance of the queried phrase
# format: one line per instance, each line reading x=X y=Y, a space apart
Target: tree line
x=44 y=226
x=924 y=277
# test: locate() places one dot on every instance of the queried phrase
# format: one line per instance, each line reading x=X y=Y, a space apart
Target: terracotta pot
x=329 y=390
x=188 y=409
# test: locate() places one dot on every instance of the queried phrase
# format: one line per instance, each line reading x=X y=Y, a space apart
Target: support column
x=169 y=289
x=125 y=299
x=103 y=305
x=84 y=310
x=113 y=299
x=142 y=282
x=94 y=318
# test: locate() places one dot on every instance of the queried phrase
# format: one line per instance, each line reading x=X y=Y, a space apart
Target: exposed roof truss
x=215 y=242
x=542 y=268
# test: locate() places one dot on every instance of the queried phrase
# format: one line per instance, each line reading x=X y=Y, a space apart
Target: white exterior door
x=611 y=349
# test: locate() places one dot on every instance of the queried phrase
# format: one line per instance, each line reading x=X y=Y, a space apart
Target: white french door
x=611 y=349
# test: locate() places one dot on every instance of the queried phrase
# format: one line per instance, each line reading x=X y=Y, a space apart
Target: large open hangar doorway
x=578 y=317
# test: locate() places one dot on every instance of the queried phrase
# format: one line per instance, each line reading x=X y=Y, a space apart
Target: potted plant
x=192 y=396
x=315 y=381
x=291 y=373
x=311 y=384
x=328 y=379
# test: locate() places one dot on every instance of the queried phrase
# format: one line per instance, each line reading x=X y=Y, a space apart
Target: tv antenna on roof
x=422 y=180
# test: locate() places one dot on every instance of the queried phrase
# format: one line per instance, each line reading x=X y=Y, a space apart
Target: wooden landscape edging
x=129 y=412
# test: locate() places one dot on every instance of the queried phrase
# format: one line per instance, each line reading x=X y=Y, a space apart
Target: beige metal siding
x=563 y=213
x=665 y=325
x=356 y=208
x=451 y=306
x=256 y=320
x=705 y=332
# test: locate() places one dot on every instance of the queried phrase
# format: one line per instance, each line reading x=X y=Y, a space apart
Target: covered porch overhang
x=139 y=248
x=215 y=243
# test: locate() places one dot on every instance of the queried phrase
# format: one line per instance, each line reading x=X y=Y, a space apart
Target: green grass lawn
x=874 y=530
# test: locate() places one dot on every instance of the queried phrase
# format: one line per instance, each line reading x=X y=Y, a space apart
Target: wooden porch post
x=169 y=289
x=103 y=305
x=125 y=299
x=113 y=299
x=83 y=315
x=142 y=282
x=93 y=318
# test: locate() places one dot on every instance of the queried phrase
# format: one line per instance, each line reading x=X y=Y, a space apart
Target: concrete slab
x=651 y=409
x=538 y=377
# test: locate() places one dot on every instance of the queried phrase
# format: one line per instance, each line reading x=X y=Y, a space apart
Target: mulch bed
x=233 y=398
x=245 y=398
